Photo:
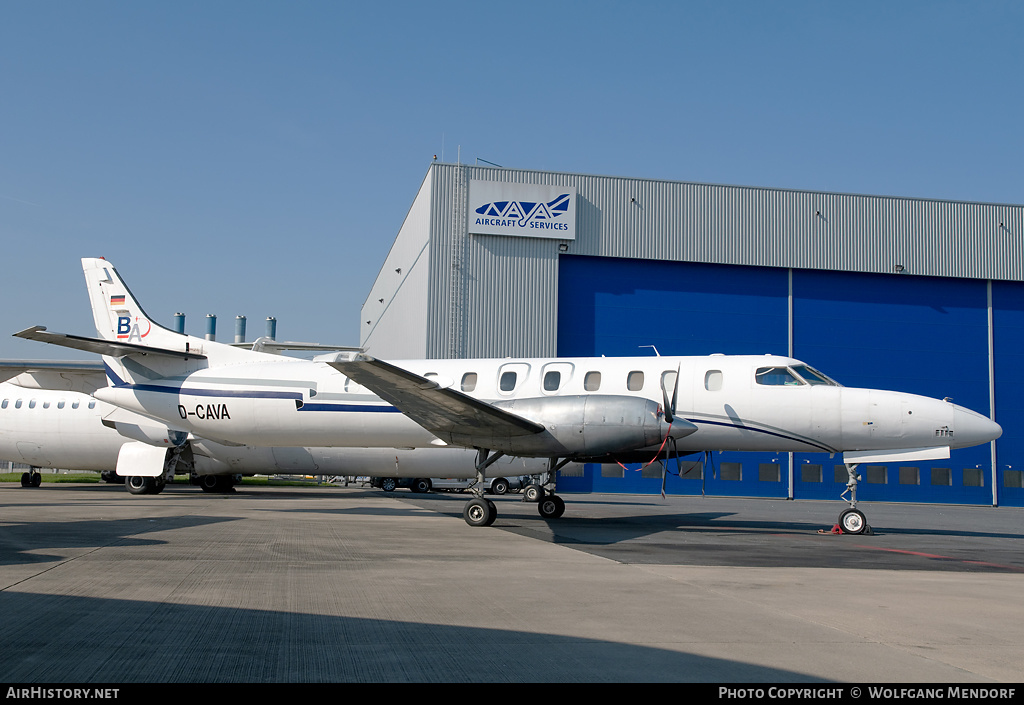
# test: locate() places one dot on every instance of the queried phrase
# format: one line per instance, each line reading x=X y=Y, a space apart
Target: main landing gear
x=481 y=511
x=852 y=520
x=32 y=478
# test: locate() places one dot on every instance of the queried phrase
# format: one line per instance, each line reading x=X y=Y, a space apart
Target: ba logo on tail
x=126 y=330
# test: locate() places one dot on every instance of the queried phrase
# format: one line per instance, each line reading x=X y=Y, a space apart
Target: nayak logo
x=126 y=330
x=525 y=214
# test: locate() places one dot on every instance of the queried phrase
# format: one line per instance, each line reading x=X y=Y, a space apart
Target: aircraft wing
x=69 y=375
x=441 y=411
x=100 y=346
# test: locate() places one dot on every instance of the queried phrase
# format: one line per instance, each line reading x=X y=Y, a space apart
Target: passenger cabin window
x=713 y=380
x=74 y=404
x=635 y=381
x=776 y=376
x=552 y=380
x=60 y=404
x=92 y=404
x=46 y=405
x=32 y=404
x=507 y=382
x=668 y=381
x=17 y=404
x=592 y=381
x=4 y=404
x=469 y=381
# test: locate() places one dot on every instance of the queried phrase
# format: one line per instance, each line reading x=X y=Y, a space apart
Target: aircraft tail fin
x=116 y=312
x=133 y=345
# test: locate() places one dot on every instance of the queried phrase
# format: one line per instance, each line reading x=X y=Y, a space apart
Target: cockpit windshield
x=776 y=376
x=794 y=376
x=812 y=376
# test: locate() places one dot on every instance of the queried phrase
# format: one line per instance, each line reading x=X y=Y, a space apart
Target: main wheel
x=137 y=484
x=26 y=480
x=37 y=480
x=499 y=486
x=210 y=483
x=852 y=521
x=479 y=512
x=532 y=493
x=551 y=507
x=388 y=484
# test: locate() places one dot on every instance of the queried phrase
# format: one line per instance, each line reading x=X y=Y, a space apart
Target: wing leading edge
x=443 y=412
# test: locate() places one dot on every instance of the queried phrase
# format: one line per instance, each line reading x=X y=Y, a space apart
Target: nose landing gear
x=852 y=520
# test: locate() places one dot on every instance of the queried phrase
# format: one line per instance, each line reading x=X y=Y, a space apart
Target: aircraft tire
x=37 y=480
x=157 y=486
x=852 y=521
x=551 y=507
x=388 y=484
x=138 y=484
x=532 y=493
x=500 y=486
x=209 y=483
x=479 y=512
x=26 y=480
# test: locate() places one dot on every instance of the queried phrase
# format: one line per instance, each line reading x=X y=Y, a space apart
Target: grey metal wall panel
x=497 y=296
x=639 y=218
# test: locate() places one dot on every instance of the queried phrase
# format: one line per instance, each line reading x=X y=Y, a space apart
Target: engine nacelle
x=584 y=426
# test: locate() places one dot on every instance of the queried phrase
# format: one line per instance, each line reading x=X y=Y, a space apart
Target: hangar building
x=908 y=294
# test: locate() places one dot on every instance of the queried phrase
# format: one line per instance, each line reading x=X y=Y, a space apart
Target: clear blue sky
x=259 y=157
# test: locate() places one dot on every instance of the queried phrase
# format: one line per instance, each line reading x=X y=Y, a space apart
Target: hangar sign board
x=522 y=210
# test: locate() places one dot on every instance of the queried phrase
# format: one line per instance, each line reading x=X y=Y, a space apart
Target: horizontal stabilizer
x=99 y=346
x=65 y=375
x=897 y=455
x=441 y=411
x=268 y=345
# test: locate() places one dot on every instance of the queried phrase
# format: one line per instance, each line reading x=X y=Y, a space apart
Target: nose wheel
x=852 y=521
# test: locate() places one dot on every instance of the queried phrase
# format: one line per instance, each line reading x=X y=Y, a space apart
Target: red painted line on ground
x=945 y=558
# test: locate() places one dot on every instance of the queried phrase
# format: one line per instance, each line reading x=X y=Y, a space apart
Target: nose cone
x=971 y=428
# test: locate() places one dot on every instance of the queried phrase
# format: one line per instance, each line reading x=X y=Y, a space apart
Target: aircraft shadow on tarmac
x=56 y=638
x=727 y=539
x=19 y=542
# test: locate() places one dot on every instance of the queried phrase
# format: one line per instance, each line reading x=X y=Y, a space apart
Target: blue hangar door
x=916 y=334
x=616 y=307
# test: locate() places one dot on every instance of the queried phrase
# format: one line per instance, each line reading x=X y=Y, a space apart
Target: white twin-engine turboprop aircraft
x=561 y=409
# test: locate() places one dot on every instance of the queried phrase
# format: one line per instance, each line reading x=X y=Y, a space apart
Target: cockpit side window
x=776 y=376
